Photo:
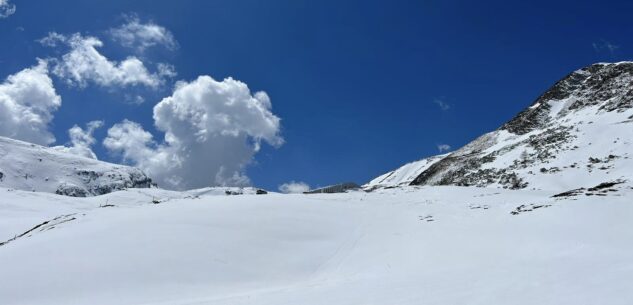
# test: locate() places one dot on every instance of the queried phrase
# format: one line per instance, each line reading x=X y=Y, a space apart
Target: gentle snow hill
x=406 y=246
x=32 y=167
x=578 y=133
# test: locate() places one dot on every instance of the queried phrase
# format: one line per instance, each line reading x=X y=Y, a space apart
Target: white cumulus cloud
x=140 y=36
x=294 y=187
x=212 y=131
x=81 y=140
x=84 y=64
x=27 y=102
x=134 y=143
x=6 y=8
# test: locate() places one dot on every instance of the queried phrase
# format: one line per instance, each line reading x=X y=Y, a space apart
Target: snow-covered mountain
x=579 y=133
x=32 y=167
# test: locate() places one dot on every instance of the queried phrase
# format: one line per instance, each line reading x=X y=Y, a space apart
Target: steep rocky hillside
x=579 y=133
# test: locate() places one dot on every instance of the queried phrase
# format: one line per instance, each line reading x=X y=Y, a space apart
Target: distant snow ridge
x=32 y=167
x=405 y=174
x=578 y=133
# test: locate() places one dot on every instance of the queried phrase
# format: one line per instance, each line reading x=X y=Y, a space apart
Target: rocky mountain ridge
x=578 y=133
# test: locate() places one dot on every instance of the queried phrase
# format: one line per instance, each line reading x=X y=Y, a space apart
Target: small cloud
x=6 y=9
x=166 y=70
x=140 y=36
x=134 y=99
x=53 y=39
x=293 y=187
x=442 y=148
x=81 y=140
x=442 y=104
x=84 y=64
x=604 y=46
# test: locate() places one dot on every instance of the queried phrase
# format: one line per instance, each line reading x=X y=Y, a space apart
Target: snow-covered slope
x=411 y=245
x=578 y=133
x=403 y=175
x=31 y=167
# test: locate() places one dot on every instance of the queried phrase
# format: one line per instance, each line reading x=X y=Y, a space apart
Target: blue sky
x=361 y=87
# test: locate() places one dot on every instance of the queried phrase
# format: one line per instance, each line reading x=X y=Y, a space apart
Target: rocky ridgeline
x=605 y=85
x=99 y=183
x=554 y=143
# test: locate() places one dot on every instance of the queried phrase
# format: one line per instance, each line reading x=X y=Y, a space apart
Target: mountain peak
x=608 y=84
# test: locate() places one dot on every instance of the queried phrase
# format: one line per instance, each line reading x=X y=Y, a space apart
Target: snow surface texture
x=32 y=167
x=579 y=132
x=408 y=245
